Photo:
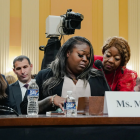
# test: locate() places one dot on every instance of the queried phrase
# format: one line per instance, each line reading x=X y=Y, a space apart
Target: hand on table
x=59 y=101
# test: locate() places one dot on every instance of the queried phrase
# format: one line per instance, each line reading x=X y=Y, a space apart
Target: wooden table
x=69 y=128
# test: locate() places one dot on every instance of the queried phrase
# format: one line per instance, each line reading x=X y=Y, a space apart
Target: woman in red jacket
x=116 y=54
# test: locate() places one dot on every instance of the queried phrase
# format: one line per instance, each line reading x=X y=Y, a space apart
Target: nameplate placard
x=122 y=104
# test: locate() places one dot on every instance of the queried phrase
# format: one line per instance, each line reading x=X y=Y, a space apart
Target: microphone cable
x=9 y=109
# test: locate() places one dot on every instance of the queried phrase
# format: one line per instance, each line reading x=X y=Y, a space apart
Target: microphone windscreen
x=98 y=64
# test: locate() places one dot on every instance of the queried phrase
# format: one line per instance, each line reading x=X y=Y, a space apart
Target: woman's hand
x=59 y=101
x=137 y=88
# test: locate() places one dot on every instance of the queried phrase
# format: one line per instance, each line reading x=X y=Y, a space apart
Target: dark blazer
x=15 y=96
x=97 y=85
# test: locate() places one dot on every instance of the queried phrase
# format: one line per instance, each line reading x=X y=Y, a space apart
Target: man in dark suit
x=22 y=68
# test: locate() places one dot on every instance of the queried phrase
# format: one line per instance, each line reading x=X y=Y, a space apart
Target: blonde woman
x=10 y=79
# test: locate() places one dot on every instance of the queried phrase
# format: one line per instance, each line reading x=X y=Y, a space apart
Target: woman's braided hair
x=122 y=45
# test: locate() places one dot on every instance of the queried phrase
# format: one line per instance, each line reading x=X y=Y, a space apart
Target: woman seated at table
x=4 y=92
x=71 y=70
x=116 y=54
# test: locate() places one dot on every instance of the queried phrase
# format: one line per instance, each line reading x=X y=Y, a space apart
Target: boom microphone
x=99 y=65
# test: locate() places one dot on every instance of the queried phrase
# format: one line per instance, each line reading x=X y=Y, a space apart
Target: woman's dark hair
x=3 y=86
x=58 y=66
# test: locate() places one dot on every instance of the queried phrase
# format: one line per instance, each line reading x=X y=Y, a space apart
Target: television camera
x=58 y=26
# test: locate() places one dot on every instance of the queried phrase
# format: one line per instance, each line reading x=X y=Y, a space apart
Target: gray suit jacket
x=15 y=96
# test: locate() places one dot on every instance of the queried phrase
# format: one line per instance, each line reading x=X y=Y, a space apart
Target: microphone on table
x=99 y=65
x=8 y=109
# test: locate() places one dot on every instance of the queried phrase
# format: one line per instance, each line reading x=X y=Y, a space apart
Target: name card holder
x=90 y=105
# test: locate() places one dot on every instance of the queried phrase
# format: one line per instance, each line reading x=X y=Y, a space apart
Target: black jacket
x=15 y=96
x=97 y=85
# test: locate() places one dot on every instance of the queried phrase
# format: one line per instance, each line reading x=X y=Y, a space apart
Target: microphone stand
x=105 y=78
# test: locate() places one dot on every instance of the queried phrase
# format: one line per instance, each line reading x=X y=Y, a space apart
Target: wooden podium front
x=60 y=127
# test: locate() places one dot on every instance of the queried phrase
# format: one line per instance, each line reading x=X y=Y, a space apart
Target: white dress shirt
x=23 y=89
x=78 y=90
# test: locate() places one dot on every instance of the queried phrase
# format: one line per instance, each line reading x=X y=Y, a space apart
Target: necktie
x=26 y=85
